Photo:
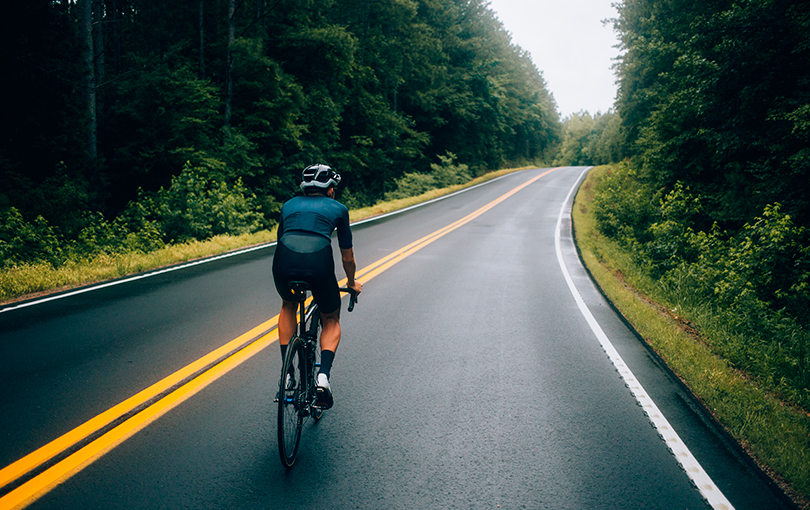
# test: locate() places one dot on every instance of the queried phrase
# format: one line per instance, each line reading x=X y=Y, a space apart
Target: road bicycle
x=296 y=387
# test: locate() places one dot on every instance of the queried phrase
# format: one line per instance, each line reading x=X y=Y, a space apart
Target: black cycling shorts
x=317 y=268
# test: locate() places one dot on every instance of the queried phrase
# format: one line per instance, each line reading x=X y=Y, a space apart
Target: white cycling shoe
x=289 y=384
x=323 y=392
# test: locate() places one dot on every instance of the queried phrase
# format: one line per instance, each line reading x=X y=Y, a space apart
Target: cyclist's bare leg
x=330 y=334
x=287 y=321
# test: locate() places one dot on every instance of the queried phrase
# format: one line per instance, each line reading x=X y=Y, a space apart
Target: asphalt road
x=468 y=377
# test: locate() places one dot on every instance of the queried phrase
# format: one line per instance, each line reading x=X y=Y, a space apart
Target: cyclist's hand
x=354 y=290
x=357 y=287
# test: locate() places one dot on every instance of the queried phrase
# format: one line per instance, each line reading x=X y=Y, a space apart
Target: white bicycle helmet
x=319 y=176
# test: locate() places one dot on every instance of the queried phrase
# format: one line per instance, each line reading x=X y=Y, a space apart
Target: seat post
x=300 y=289
x=302 y=314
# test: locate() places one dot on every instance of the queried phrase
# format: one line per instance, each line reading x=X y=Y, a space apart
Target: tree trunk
x=229 y=71
x=259 y=9
x=116 y=36
x=85 y=17
x=201 y=31
x=98 y=58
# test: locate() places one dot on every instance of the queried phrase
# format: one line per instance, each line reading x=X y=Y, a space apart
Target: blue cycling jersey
x=316 y=215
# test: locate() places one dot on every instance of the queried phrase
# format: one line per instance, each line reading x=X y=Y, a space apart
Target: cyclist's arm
x=350 y=266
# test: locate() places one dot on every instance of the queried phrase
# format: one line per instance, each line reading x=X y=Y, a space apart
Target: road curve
x=469 y=377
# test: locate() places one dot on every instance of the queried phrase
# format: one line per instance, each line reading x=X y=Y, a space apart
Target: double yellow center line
x=53 y=463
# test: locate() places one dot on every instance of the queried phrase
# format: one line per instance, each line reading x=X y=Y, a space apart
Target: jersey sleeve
x=344 y=231
x=280 y=229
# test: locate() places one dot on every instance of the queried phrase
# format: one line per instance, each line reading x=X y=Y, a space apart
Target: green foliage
x=671 y=238
x=607 y=145
x=447 y=173
x=768 y=262
x=123 y=235
x=444 y=174
x=23 y=241
x=63 y=198
x=751 y=288
x=198 y=208
x=169 y=117
x=715 y=95
x=623 y=207
x=303 y=81
x=577 y=131
x=590 y=140
x=411 y=185
x=193 y=207
x=758 y=280
x=713 y=99
x=267 y=111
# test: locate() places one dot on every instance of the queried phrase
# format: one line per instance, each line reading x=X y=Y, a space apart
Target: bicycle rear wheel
x=313 y=333
x=291 y=401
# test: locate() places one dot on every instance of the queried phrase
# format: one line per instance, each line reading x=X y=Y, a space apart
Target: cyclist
x=304 y=253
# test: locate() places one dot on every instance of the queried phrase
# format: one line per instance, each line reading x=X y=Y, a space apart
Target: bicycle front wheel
x=291 y=401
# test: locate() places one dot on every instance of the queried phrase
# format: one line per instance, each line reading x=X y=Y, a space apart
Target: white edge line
x=688 y=462
x=219 y=257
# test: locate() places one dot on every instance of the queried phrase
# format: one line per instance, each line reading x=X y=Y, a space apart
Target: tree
x=229 y=64
x=715 y=94
x=85 y=12
x=253 y=91
x=590 y=140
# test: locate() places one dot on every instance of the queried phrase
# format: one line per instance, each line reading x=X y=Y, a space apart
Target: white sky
x=569 y=45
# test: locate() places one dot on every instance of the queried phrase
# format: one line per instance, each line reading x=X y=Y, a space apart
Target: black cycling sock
x=283 y=351
x=327 y=357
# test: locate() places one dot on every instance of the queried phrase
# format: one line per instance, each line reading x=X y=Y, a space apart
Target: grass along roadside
x=33 y=280
x=27 y=281
x=775 y=433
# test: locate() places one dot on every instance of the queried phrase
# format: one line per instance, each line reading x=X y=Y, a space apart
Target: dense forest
x=140 y=122
x=591 y=140
x=716 y=94
x=711 y=196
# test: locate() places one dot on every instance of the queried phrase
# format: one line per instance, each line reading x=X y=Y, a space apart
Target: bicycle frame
x=297 y=401
x=308 y=320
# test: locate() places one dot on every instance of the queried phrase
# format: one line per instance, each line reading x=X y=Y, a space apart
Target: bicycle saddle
x=299 y=289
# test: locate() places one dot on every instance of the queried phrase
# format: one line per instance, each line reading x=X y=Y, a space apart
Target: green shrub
x=444 y=174
x=125 y=234
x=670 y=241
x=748 y=291
x=447 y=173
x=623 y=207
x=411 y=185
x=22 y=241
x=770 y=262
x=763 y=279
x=195 y=207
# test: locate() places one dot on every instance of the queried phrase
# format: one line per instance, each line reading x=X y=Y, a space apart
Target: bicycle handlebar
x=352 y=296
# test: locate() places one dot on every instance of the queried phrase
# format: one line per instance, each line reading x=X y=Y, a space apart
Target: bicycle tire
x=291 y=402
x=313 y=332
